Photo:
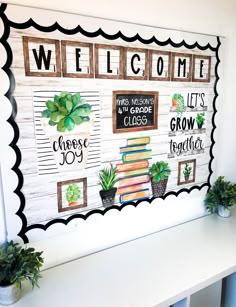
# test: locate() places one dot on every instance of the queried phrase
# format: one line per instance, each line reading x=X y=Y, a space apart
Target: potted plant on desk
x=220 y=197
x=17 y=264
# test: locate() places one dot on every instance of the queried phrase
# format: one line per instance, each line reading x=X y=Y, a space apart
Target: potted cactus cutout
x=159 y=173
x=68 y=122
x=73 y=194
x=200 y=119
x=178 y=103
x=187 y=171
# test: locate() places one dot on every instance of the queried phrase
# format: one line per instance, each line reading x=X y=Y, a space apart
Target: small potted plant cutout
x=107 y=180
x=200 y=119
x=159 y=173
x=16 y=265
x=220 y=197
x=187 y=171
x=73 y=194
x=178 y=103
x=68 y=122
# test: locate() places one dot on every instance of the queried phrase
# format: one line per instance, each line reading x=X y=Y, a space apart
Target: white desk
x=157 y=270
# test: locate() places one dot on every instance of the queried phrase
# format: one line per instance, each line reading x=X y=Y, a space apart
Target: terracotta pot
x=108 y=197
x=223 y=212
x=174 y=103
x=9 y=294
x=159 y=188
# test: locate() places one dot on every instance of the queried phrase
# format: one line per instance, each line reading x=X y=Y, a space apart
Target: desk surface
x=156 y=270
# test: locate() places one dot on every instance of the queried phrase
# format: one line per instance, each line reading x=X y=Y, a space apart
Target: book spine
x=144 y=140
x=137 y=156
x=134 y=180
x=129 y=166
x=138 y=195
x=127 y=149
x=138 y=171
x=129 y=189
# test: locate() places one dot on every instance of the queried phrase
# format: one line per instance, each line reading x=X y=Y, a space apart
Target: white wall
x=203 y=16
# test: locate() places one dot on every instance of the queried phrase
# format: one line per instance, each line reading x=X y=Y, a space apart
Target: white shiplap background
x=41 y=191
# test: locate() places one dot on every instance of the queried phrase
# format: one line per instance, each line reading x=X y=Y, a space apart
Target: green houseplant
x=72 y=194
x=107 y=180
x=159 y=173
x=66 y=111
x=187 y=171
x=17 y=264
x=68 y=122
x=200 y=119
x=220 y=197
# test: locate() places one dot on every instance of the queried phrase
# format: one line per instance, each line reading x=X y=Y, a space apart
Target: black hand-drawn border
x=8 y=24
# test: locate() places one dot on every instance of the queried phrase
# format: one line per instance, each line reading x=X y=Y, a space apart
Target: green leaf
x=83 y=110
x=86 y=118
x=51 y=106
x=56 y=98
x=56 y=116
x=69 y=106
x=77 y=119
x=63 y=110
x=46 y=113
x=61 y=126
x=63 y=94
x=52 y=123
x=69 y=123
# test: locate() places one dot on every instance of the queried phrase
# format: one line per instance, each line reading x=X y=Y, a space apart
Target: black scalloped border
x=31 y=23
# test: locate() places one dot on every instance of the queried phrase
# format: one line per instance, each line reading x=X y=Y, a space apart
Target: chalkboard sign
x=134 y=111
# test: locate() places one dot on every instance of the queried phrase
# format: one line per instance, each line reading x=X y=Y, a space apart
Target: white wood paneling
x=42 y=203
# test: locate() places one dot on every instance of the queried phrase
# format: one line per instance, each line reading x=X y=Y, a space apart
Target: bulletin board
x=89 y=95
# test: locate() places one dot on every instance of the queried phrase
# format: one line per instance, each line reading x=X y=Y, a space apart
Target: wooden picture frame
x=185 y=55
x=207 y=80
x=60 y=197
x=64 y=44
x=134 y=129
x=181 y=165
x=121 y=62
x=28 y=72
x=151 y=52
x=146 y=70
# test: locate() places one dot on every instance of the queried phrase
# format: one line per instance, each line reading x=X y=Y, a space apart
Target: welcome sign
x=96 y=101
x=42 y=58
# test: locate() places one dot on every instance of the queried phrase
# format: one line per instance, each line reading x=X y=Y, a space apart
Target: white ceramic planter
x=9 y=295
x=223 y=212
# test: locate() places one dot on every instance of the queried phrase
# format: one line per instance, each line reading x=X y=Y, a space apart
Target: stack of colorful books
x=134 y=179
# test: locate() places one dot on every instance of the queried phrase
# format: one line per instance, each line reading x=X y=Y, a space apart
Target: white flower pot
x=9 y=294
x=223 y=212
x=70 y=148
